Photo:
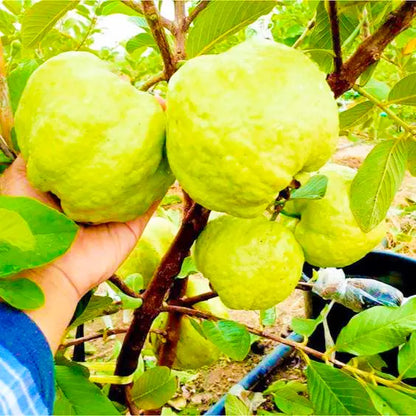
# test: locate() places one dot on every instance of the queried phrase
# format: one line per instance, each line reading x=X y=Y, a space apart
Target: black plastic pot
x=394 y=269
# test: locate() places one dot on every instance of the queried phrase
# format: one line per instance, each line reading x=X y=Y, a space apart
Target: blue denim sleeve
x=27 y=362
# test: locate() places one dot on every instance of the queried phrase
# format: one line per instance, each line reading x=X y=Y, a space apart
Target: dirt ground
x=207 y=385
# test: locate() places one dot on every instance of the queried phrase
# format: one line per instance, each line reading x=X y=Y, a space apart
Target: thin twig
x=195 y=12
x=180 y=34
x=371 y=49
x=5 y=149
x=199 y=298
x=153 y=81
x=116 y=281
x=336 y=38
x=81 y=340
x=154 y=21
x=134 y=5
x=309 y=27
x=90 y=28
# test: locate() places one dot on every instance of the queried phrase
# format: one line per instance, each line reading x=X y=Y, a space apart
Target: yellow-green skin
x=251 y=263
x=92 y=139
x=242 y=123
x=328 y=231
x=152 y=246
x=193 y=350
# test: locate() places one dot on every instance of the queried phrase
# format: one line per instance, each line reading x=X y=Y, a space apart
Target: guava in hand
x=193 y=350
x=251 y=263
x=152 y=246
x=327 y=230
x=92 y=139
x=242 y=123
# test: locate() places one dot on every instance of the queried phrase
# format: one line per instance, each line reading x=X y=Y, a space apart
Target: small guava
x=92 y=139
x=153 y=244
x=251 y=263
x=242 y=123
x=327 y=230
x=193 y=350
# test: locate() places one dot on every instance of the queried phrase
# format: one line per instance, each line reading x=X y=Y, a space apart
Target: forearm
x=61 y=298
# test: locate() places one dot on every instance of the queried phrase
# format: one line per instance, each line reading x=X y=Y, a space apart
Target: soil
x=209 y=384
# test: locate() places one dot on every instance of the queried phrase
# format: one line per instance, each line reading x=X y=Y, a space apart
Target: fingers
x=14 y=182
x=139 y=224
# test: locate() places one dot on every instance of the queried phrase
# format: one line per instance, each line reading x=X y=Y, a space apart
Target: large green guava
x=327 y=230
x=242 y=123
x=193 y=350
x=92 y=139
x=153 y=244
x=251 y=263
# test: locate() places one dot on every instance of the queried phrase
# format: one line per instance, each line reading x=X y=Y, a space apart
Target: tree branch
x=194 y=222
x=154 y=21
x=81 y=340
x=168 y=24
x=199 y=298
x=371 y=49
x=336 y=38
x=167 y=349
x=116 y=281
x=195 y=12
x=153 y=81
x=5 y=149
x=180 y=33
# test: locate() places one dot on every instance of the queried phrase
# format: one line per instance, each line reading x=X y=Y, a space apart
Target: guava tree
x=331 y=218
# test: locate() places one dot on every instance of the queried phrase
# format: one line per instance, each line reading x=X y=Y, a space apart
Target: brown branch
x=153 y=81
x=167 y=349
x=336 y=38
x=180 y=33
x=204 y=315
x=371 y=49
x=195 y=12
x=154 y=21
x=134 y=5
x=81 y=340
x=5 y=149
x=153 y=298
x=116 y=281
x=199 y=298
x=6 y=113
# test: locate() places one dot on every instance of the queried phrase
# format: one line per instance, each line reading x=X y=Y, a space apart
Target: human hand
x=96 y=252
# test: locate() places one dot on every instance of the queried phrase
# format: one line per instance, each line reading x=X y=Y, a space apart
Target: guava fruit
x=327 y=230
x=242 y=123
x=193 y=350
x=153 y=244
x=251 y=263
x=92 y=139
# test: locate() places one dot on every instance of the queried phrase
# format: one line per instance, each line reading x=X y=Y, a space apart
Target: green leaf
x=268 y=316
x=315 y=188
x=411 y=156
x=220 y=19
x=407 y=358
x=15 y=6
x=134 y=282
x=291 y=403
x=21 y=293
x=41 y=18
x=376 y=183
x=230 y=337
x=6 y=23
x=378 y=329
x=114 y=7
x=52 y=231
x=75 y=395
x=391 y=402
x=377 y=89
x=188 y=267
x=97 y=306
x=235 y=407
x=333 y=392
x=18 y=78
x=15 y=231
x=304 y=326
x=153 y=388
x=404 y=92
x=355 y=115
x=140 y=40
